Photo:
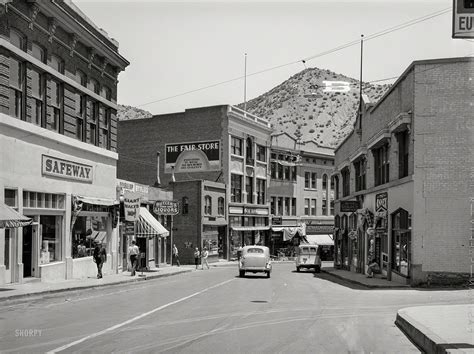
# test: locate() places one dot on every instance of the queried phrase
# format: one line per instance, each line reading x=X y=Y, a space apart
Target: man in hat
x=99 y=257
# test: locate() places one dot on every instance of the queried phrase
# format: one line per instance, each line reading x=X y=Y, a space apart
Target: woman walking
x=197 y=254
x=205 y=254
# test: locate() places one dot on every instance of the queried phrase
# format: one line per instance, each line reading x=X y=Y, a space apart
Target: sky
x=180 y=52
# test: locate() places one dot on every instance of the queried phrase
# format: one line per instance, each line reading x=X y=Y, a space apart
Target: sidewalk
x=361 y=279
x=439 y=329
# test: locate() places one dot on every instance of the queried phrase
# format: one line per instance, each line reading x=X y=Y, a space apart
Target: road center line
x=110 y=329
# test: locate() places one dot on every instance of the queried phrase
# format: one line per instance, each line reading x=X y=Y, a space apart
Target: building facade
x=58 y=140
x=403 y=178
x=300 y=189
x=221 y=144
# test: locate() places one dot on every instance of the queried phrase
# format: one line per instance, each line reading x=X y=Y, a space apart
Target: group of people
x=201 y=256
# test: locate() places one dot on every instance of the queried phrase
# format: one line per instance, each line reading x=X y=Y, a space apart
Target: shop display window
x=401 y=242
x=50 y=241
x=87 y=231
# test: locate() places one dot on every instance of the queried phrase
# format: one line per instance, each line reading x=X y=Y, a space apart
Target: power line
x=336 y=49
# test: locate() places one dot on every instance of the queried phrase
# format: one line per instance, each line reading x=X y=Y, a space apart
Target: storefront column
x=17 y=265
x=114 y=246
x=67 y=238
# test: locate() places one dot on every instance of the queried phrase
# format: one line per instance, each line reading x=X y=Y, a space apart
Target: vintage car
x=255 y=259
x=308 y=256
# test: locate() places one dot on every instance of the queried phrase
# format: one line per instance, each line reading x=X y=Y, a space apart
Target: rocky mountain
x=129 y=112
x=300 y=106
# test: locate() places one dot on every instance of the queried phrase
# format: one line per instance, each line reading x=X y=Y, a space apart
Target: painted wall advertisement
x=199 y=156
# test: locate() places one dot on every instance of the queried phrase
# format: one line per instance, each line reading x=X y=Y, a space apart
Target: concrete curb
x=369 y=286
x=419 y=334
x=92 y=286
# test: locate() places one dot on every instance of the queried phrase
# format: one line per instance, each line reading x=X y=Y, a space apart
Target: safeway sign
x=463 y=19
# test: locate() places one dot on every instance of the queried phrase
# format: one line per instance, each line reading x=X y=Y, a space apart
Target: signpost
x=463 y=19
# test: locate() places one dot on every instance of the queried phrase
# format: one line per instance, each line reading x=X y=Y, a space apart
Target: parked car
x=255 y=259
x=308 y=256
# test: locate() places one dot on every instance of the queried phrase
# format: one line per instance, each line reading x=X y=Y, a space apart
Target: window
x=360 y=167
x=337 y=221
x=236 y=146
x=313 y=207
x=273 y=205
x=17 y=39
x=261 y=155
x=185 y=205
x=38 y=52
x=280 y=205
x=273 y=170
x=17 y=77
x=306 y=206
x=43 y=200
x=235 y=188
x=56 y=104
x=293 y=173
x=94 y=118
x=94 y=86
x=57 y=64
x=105 y=128
x=293 y=206
x=287 y=206
x=325 y=207
x=207 y=205
x=220 y=206
x=50 y=238
x=332 y=183
x=37 y=94
x=249 y=152
x=86 y=231
x=307 y=179
x=81 y=78
x=313 y=180
x=106 y=93
x=331 y=209
x=260 y=191
x=81 y=107
x=403 y=152
x=249 y=189
x=325 y=183
x=10 y=198
x=401 y=242
x=381 y=165
x=346 y=178
x=336 y=185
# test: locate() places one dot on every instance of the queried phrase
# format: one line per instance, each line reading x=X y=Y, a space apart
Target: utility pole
x=245 y=83
x=360 y=82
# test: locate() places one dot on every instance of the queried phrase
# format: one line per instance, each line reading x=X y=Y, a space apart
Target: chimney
x=158 y=182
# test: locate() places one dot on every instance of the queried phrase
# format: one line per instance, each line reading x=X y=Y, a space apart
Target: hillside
x=298 y=107
x=129 y=112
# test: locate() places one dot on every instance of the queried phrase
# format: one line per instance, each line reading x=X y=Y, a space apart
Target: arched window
x=325 y=183
x=401 y=242
x=17 y=39
x=38 y=52
x=94 y=86
x=337 y=221
x=336 y=187
x=185 y=205
x=106 y=93
x=220 y=206
x=207 y=205
x=81 y=78
x=57 y=63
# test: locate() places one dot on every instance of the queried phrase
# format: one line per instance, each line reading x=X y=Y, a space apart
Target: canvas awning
x=250 y=228
x=321 y=240
x=97 y=201
x=9 y=217
x=148 y=226
x=290 y=231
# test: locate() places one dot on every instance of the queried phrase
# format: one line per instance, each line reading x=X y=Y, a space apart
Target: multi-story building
x=404 y=177
x=58 y=139
x=300 y=191
x=221 y=144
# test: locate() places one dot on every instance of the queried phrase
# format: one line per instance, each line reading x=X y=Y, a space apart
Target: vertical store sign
x=131 y=204
x=463 y=19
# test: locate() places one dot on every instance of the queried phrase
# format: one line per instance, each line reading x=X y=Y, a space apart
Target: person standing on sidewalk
x=133 y=251
x=205 y=254
x=175 y=254
x=197 y=254
x=99 y=257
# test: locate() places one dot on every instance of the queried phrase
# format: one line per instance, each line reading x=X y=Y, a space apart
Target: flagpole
x=245 y=83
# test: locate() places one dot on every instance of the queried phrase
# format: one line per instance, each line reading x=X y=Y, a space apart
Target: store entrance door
x=27 y=253
x=8 y=255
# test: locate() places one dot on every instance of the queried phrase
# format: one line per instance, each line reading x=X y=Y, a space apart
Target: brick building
x=221 y=144
x=403 y=177
x=300 y=190
x=58 y=139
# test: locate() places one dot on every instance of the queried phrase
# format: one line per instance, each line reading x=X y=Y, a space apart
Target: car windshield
x=254 y=250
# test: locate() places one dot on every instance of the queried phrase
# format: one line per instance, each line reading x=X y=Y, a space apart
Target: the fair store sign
x=56 y=167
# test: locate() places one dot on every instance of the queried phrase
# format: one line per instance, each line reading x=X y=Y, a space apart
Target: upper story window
x=17 y=39
x=381 y=165
x=325 y=183
x=185 y=205
x=336 y=187
x=310 y=179
x=17 y=86
x=346 y=178
x=235 y=146
x=81 y=78
x=207 y=205
x=249 y=189
x=106 y=93
x=57 y=64
x=249 y=151
x=94 y=86
x=260 y=191
x=220 y=206
x=403 y=153
x=360 y=167
x=332 y=183
x=38 y=52
x=261 y=153
x=235 y=188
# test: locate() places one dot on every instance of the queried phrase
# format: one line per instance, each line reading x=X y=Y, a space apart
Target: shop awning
x=97 y=201
x=321 y=240
x=9 y=217
x=148 y=226
x=290 y=231
x=250 y=228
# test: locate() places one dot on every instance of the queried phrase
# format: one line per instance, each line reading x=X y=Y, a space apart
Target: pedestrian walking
x=99 y=257
x=204 y=256
x=133 y=251
x=197 y=254
x=175 y=254
x=372 y=268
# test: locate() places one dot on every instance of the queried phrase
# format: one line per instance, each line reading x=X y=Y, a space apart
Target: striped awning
x=9 y=217
x=148 y=226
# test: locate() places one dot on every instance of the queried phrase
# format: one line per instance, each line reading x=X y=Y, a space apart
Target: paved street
x=215 y=311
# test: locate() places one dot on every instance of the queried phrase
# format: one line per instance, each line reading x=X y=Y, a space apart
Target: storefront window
x=50 y=238
x=87 y=231
x=401 y=242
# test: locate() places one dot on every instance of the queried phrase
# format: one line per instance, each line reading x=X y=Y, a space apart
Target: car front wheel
x=268 y=274
x=297 y=269
x=241 y=273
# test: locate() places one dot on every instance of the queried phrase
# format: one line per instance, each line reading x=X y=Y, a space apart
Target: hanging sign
x=131 y=203
x=166 y=207
x=349 y=206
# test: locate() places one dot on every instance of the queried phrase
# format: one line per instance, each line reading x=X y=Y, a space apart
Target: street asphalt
x=215 y=311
